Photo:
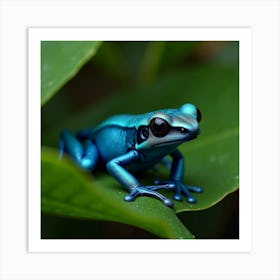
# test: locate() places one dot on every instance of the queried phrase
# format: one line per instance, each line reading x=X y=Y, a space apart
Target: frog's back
x=115 y=136
x=124 y=121
x=132 y=121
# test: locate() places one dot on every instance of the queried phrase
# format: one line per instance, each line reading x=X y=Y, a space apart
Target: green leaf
x=219 y=156
x=60 y=61
x=66 y=190
x=212 y=160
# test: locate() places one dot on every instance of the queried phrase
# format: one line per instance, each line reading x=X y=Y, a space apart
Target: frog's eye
x=159 y=127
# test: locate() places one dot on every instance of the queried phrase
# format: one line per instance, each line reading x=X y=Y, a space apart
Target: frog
x=128 y=144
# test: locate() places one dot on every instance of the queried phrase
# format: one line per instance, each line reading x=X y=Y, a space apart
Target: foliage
x=146 y=76
x=60 y=61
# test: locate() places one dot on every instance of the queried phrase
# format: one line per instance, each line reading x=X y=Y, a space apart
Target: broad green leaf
x=66 y=190
x=60 y=61
x=211 y=160
x=219 y=156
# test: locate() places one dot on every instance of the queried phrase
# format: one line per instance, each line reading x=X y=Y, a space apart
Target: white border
x=243 y=35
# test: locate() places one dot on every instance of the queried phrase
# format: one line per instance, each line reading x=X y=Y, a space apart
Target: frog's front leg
x=116 y=167
x=86 y=156
x=176 y=177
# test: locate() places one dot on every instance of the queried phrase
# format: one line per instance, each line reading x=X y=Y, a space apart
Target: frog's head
x=169 y=127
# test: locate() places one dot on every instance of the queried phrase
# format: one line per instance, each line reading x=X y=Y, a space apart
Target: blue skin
x=126 y=144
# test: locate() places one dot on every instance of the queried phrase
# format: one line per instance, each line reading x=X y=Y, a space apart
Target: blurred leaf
x=66 y=190
x=112 y=62
x=228 y=55
x=60 y=61
x=160 y=56
x=151 y=60
x=176 y=53
x=132 y=53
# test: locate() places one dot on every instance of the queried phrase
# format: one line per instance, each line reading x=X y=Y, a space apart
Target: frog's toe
x=168 y=184
x=195 y=189
x=178 y=197
x=131 y=196
x=186 y=190
x=191 y=199
x=168 y=202
x=128 y=197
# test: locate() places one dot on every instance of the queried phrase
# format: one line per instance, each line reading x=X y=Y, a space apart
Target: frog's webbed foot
x=116 y=168
x=180 y=189
x=148 y=191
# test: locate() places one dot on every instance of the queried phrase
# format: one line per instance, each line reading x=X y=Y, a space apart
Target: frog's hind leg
x=85 y=155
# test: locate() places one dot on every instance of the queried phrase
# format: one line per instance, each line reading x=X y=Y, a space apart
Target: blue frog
x=127 y=144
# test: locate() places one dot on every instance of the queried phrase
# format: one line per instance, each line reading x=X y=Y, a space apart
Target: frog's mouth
x=174 y=142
